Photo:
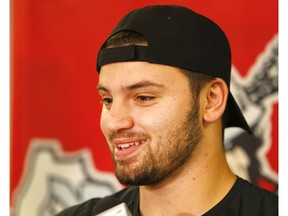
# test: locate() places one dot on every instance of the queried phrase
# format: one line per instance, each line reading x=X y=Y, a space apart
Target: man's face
x=148 y=119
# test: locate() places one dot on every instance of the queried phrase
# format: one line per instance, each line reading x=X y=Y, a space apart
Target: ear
x=216 y=94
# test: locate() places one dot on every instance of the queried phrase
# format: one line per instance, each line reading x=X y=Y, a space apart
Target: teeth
x=123 y=146
x=127 y=145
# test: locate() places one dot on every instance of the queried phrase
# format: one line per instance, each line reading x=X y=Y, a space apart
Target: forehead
x=119 y=74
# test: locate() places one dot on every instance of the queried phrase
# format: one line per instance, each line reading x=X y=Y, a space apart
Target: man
x=164 y=75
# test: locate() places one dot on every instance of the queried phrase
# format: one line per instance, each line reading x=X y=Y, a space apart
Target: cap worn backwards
x=177 y=36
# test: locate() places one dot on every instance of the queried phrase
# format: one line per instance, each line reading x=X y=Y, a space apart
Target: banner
x=59 y=156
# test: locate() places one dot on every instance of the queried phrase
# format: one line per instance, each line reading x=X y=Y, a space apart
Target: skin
x=151 y=104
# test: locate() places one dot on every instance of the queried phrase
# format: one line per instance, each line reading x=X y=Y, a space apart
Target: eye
x=144 y=98
x=106 y=102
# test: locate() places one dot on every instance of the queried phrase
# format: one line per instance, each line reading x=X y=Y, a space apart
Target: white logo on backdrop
x=256 y=94
x=54 y=180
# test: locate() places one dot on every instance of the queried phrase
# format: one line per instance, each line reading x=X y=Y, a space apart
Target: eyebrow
x=138 y=85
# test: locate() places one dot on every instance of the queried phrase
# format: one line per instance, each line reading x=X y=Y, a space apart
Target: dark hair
x=125 y=38
x=196 y=81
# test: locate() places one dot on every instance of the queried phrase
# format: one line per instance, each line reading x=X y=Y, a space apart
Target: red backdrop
x=54 y=97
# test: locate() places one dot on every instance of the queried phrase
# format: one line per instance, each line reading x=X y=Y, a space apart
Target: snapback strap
x=121 y=54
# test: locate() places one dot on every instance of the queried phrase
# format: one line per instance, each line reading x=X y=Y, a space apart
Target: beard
x=171 y=153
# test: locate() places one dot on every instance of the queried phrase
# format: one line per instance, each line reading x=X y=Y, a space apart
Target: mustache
x=128 y=134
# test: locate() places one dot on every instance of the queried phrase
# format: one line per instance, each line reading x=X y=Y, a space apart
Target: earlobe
x=216 y=95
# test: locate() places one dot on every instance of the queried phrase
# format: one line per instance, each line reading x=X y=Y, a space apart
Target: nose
x=118 y=118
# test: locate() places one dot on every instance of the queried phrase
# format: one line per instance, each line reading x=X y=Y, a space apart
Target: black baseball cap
x=179 y=37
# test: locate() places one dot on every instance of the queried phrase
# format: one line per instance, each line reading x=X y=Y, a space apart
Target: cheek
x=103 y=122
x=157 y=120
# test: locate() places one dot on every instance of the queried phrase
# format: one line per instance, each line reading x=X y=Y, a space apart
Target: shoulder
x=88 y=207
x=252 y=200
x=81 y=209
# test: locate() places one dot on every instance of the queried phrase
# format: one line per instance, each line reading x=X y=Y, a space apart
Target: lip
x=126 y=148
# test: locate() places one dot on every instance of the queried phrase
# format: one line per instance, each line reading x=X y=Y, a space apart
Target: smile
x=127 y=145
x=123 y=150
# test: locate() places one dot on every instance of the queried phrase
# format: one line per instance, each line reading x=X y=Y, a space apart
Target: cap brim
x=235 y=117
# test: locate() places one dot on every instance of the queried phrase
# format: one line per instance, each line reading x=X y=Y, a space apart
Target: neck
x=201 y=183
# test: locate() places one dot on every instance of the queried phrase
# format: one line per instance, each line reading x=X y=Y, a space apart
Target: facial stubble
x=171 y=153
